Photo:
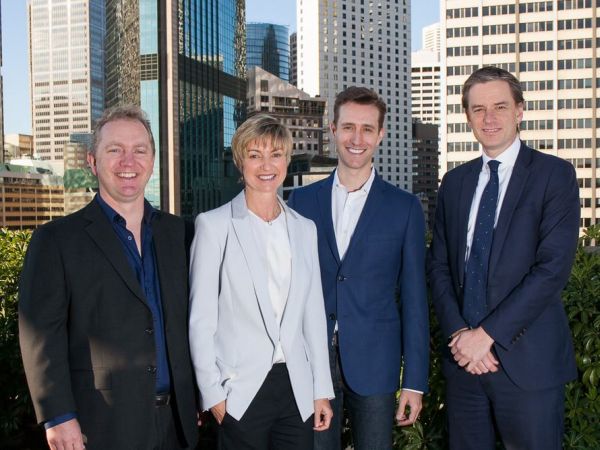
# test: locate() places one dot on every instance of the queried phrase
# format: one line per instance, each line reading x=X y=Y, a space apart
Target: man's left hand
x=470 y=347
x=414 y=402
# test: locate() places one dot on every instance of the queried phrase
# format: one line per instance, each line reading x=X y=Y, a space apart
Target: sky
x=15 y=66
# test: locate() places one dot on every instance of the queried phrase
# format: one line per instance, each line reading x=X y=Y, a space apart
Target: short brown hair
x=263 y=128
x=491 y=73
x=126 y=112
x=362 y=96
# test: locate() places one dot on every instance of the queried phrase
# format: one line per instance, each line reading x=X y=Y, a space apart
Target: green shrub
x=15 y=404
x=582 y=301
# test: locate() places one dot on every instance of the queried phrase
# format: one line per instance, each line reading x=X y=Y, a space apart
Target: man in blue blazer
x=371 y=252
x=503 y=245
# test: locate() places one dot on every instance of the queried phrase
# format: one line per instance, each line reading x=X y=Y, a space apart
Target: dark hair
x=362 y=96
x=126 y=112
x=491 y=73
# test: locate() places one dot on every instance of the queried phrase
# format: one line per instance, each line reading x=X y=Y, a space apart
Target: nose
x=489 y=116
x=356 y=137
x=127 y=158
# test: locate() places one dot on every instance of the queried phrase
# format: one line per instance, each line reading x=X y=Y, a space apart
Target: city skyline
x=17 y=106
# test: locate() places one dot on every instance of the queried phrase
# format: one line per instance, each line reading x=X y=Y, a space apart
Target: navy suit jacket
x=532 y=253
x=377 y=292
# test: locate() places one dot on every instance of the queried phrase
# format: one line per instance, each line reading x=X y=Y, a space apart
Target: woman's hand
x=218 y=411
x=323 y=414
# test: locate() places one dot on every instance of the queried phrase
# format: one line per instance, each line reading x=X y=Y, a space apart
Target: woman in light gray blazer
x=257 y=321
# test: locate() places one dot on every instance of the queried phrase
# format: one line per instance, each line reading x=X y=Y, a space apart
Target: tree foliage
x=15 y=405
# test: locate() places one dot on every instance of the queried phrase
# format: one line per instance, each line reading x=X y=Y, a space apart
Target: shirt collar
x=114 y=217
x=507 y=158
x=365 y=187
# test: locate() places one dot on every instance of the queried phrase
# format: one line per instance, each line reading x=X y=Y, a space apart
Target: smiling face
x=493 y=115
x=123 y=162
x=264 y=167
x=357 y=135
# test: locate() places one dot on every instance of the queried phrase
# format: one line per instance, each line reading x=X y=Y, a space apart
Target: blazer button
x=332 y=316
x=341 y=277
x=149 y=331
x=151 y=369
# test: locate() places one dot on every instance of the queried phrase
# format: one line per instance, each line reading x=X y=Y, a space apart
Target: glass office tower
x=268 y=47
x=183 y=62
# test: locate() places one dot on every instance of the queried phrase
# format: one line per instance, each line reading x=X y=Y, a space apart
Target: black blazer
x=86 y=331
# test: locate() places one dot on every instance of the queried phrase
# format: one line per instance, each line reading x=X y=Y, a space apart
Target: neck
x=353 y=179
x=132 y=212
x=264 y=204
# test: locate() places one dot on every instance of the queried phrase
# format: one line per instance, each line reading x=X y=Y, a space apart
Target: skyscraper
x=268 y=47
x=551 y=46
x=184 y=63
x=294 y=59
x=358 y=43
x=66 y=61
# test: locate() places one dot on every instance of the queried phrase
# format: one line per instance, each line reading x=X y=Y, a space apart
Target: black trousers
x=271 y=422
x=165 y=433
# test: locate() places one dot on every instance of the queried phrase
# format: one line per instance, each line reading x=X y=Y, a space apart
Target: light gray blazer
x=233 y=330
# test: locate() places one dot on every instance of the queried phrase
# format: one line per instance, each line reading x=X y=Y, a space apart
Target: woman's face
x=264 y=167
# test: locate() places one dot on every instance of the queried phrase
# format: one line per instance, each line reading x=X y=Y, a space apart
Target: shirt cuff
x=413 y=390
x=59 y=419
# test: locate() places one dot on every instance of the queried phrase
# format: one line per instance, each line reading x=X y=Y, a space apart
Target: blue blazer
x=377 y=292
x=530 y=262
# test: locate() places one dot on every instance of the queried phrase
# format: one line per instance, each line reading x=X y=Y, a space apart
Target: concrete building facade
x=358 y=43
x=552 y=48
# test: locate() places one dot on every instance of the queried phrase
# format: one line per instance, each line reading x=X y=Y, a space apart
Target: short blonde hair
x=264 y=129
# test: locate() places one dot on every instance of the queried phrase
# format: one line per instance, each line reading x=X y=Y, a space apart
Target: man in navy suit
x=504 y=240
x=371 y=252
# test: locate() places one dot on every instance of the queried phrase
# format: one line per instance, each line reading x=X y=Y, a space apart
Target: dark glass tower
x=268 y=47
x=184 y=63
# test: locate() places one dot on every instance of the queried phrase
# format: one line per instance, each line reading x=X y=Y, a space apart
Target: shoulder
x=549 y=162
x=394 y=193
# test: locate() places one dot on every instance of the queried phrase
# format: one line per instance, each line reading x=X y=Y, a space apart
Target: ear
x=91 y=159
x=332 y=128
x=519 y=112
x=380 y=135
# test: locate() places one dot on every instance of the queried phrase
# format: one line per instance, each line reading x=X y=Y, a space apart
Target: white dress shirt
x=275 y=253
x=346 y=208
x=507 y=162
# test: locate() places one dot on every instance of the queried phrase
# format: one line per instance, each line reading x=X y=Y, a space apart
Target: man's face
x=357 y=135
x=123 y=161
x=493 y=115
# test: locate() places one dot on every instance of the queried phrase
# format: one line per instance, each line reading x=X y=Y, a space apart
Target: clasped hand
x=472 y=351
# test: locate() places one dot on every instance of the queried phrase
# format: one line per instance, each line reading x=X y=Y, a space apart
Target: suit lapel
x=514 y=190
x=324 y=199
x=101 y=232
x=166 y=259
x=243 y=232
x=372 y=205
x=469 y=184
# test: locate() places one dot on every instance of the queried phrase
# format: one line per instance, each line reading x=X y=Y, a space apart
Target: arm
x=314 y=327
x=415 y=315
x=555 y=250
x=205 y=263
x=444 y=297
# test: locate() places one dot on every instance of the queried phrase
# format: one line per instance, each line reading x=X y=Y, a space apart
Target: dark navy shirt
x=145 y=269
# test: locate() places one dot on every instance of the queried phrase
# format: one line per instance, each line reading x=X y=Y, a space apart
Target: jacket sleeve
x=415 y=314
x=555 y=251
x=43 y=327
x=205 y=262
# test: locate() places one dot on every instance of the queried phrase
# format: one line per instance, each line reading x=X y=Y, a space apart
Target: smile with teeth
x=127 y=175
x=356 y=151
x=266 y=177
x=491 y=130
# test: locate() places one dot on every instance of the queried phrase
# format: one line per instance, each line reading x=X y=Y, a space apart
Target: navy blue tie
x=476 y=273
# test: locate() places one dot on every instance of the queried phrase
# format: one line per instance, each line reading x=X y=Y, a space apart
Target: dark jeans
x=371 y=417
x=271 y=422
x=165 y=436
x=478 y=406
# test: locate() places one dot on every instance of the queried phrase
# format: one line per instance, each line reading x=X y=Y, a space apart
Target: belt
x=162 y=399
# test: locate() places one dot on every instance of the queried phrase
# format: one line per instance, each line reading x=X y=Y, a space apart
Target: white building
x=361 y=43
x=425 y=86
x=431 y=38
x=66 y=72
x=550 y=46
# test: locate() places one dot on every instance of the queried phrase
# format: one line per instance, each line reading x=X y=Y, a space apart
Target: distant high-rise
x=66 y=61
x=551 y=47
x=358 y=43
x=184 y=63
x=431 y=38
x=294 y=59
x=268 y=46
x=426 y=87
